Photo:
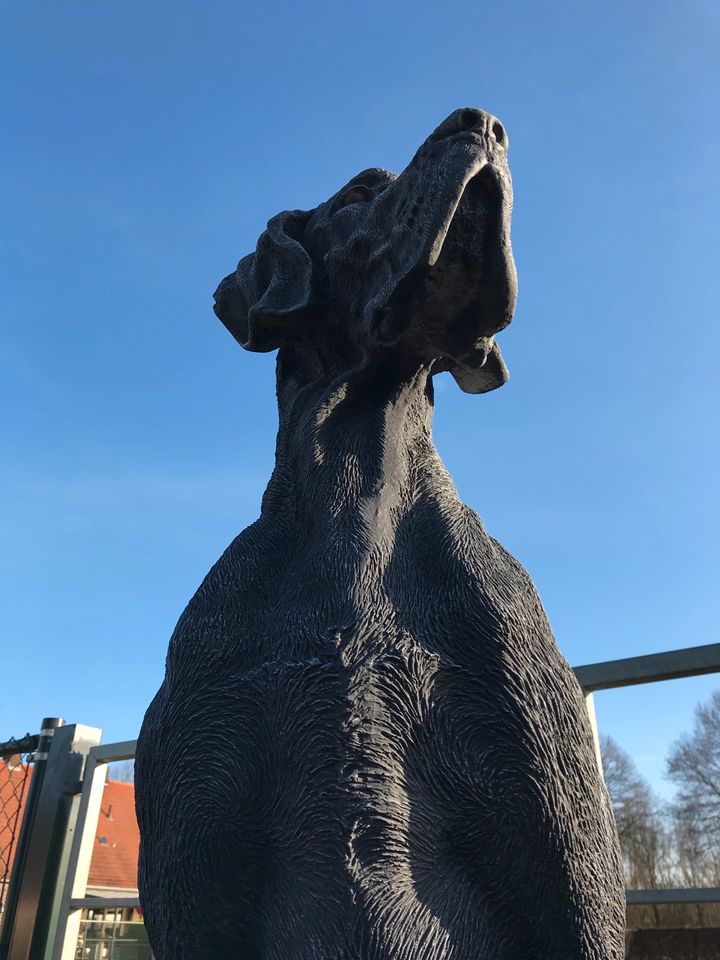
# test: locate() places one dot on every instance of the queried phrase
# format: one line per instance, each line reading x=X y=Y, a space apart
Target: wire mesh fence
x=16 y=758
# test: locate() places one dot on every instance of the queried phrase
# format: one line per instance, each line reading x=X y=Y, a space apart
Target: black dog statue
x=367 y=745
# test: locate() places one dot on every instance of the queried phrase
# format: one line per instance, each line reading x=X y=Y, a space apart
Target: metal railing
x=652 y=668
x=48 y=828
x=72 y=897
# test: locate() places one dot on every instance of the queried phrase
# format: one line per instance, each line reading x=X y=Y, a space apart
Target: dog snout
x=472 y=120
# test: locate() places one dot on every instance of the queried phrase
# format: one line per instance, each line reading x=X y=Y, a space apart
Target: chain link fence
x=16 y=758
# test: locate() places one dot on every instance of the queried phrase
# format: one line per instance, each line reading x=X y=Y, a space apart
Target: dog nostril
x=499 y=133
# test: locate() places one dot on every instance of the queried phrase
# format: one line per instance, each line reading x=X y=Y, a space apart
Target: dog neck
x=355 y=450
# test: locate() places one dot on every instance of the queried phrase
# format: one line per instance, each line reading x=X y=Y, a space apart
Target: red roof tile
x=117 y=839
x=13 y=791
x=115 y=851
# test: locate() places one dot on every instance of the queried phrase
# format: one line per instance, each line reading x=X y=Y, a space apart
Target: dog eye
x=356 y=194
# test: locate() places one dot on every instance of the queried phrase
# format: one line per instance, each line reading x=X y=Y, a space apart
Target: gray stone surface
x=367 y=745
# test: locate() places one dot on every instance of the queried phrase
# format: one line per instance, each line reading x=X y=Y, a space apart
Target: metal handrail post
x=69 y=904
x=18 y=876
x=53 y=821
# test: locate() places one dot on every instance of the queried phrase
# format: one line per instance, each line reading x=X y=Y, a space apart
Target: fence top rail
x=672 y=665
x=605 y=675
x=112 y=752
x=677 y=895
x=102 y=903
x=26 y=744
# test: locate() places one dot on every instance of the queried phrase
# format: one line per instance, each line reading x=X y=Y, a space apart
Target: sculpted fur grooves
x=367 y=745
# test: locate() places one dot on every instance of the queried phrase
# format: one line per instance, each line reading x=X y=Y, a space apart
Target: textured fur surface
x=367 y=744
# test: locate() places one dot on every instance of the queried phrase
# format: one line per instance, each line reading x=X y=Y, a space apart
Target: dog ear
x=270 y=290
x=491 y=375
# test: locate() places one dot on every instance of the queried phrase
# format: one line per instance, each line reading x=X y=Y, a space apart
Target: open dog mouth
x=470 y=286
x=461 y=265
x=476 y=224
x=453 y=302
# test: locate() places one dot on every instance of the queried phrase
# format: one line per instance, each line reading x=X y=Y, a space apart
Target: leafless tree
x=639 y=821
x=676 y=844
x=694 y=766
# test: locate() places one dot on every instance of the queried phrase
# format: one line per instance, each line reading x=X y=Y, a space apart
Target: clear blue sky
x=144 y=147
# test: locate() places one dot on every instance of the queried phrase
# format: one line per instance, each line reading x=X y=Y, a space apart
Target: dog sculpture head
x=419 y=263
